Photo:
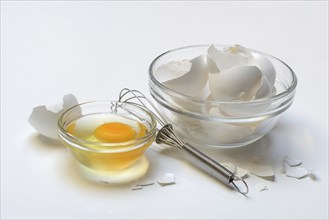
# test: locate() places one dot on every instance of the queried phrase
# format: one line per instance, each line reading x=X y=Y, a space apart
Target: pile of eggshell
x=228 y=75
x=290 y=167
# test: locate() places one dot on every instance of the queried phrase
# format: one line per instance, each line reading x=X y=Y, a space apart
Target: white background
x=93 y=49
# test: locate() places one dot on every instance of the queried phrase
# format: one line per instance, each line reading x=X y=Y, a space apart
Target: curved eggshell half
x=236 y=83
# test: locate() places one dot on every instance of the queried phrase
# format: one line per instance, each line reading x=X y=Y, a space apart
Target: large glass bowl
x=188 y=115
x=105 y=156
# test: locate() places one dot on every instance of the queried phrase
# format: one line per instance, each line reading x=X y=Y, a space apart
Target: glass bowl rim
x=287 y=92
x=79 y=143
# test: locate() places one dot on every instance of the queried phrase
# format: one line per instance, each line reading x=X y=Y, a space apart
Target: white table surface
x=93 y=49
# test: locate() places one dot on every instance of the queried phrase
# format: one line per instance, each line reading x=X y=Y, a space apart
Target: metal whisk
x=166 y=135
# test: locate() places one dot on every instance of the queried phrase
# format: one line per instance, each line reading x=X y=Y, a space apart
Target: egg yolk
x=115 y=132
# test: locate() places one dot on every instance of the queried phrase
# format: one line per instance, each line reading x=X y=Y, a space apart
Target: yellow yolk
x=115 y=132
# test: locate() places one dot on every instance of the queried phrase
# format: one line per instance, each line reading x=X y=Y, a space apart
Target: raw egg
x=107 y=128
x=112 y=133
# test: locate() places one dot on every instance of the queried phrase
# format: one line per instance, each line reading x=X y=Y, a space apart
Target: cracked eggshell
x=217 y=112
x=292 y=161
x=212 y=66
x=266 y=67
x=242 y=173
x=264 y=90
x=261 y=170
x=261 y=187
x=296 y=172
x=145 y=183
x=236 y=83
x=166 y=179
x=44 y=119
x=44 y=122
x=172 y=70
x=229 y=57
x=250 y=109
x=192 y=82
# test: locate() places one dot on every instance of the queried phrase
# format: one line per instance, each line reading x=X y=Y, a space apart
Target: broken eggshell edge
x=45 y=119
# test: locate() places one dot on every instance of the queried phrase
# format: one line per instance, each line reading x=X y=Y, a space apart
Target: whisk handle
x=166 y=135
x=213 y=167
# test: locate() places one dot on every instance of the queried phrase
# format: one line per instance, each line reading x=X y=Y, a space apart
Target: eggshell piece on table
x=296 y=172
x=44 y=119
x=166 y=179
x=44 y=122
x=240 y=172
x=261 y=170
x=261 y=187
x=145 y=183
x=292 y=161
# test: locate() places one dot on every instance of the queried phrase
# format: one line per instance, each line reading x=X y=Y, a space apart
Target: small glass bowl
x=251 y=120
x=105 y=156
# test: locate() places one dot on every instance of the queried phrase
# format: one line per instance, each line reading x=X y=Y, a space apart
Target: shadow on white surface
x=292 y=136
x=40 y=141
x=283 y=140
x=43 y=148
x=116 y=177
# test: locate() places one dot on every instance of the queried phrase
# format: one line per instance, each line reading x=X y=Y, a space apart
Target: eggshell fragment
x=296 y=172
x=261 y=170
x=137 y=188
x=292 y=161
x=194 y=84
x=217 y=111
x=240 y=172
x=230 y=57
x=212 y=66
x=236 y=83
x=266 y=67
x=172 y=70
x=44 y=119
x=166 y=179
x=311 y=174
x=264 y=90
x=194 y=81
x=145 y=183
x=261 y=187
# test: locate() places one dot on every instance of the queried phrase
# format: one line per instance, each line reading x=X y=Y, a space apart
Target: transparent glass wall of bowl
x=247 y=121
x=102 y=155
